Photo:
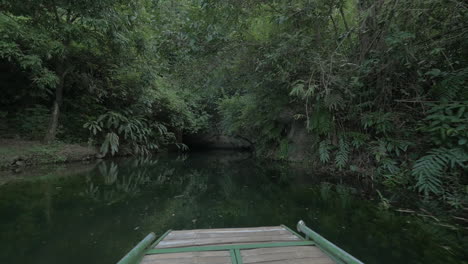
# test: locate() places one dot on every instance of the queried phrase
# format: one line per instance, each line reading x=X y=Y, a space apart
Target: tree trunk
x=54 y=118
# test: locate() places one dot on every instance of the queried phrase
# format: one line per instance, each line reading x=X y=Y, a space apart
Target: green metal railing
x=327 y=245
x=137 y=252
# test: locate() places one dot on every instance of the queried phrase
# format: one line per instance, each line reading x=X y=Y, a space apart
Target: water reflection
x=95 y=216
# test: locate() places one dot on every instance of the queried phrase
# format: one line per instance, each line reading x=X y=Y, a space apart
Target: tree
x=75 y=27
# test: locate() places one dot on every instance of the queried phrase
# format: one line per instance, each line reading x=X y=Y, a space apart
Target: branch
x=344 y=19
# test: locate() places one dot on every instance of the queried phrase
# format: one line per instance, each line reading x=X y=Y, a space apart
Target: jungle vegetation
x=379 y=87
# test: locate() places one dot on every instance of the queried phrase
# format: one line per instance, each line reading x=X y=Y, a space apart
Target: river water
x=95 y=213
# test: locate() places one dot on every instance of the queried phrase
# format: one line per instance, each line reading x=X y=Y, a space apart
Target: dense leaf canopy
x=376 y=89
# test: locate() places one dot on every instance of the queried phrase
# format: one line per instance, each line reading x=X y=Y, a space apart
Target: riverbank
x=16 y=154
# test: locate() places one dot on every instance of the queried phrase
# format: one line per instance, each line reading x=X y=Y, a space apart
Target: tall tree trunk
x=54 y=117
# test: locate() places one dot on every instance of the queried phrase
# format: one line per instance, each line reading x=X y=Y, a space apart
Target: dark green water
x=96 y=213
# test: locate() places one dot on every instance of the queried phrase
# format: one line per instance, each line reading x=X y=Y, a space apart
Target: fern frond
x=451 y=86
x=321 y=120
x=324 y=151
x=390 y=165
x=429 y=169
x=298 y=89
x=342 y=154
x=333 y=101
x=357 y=139
x=111 y=143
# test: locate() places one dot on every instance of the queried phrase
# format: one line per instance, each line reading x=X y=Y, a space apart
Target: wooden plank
x=311 y=250
x=229 y=247
x=196 y=235
x=226 y=236
x=208 y=257
x=300 y=261
x=193 y=254
x=221 y=232
x=225 y=240
x=298 y=255
x=242 y=229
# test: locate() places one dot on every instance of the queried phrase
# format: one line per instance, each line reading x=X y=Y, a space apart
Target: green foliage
x=111 y=142
x=22 y=43
x=447 y=124
x=449 y=85
x=381 y=123
x=321 y=121
x=102 y=56
x=324 y=151
x=126 y=127
x=358 y=139
x=235 y=112
x=374 y=91
x=430 y=169
x=342 y=154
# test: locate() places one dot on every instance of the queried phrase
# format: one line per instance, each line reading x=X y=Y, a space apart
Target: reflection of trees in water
x=117 y=181
x=228 y=186
x=197 y=184
x=91 y=191
x=345 y=194
x=182 y=201
x=118 y=184
x=109 y=173
x=337 y=192
x=164 y=176
x=141 y=161
x=182 y=157
x=325 y=190
x=131 y=184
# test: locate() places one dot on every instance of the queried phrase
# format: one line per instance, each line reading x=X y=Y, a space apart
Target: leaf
x=342 y=154
x=324 y=151
x=111 y=143
x=429 y=169
x=462 y=141
x=434 y=72
x=298 y=89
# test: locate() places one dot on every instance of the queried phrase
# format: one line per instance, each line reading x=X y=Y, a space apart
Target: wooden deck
x=265 y=245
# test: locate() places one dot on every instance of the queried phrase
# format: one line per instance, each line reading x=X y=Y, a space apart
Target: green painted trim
x=330 y=255
x=160 y=238
x=293 y=232
x=228 y=247
x=238 y=256
x=326 y=245
x=233 y=256
x=138 y=251
x=335 y=259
